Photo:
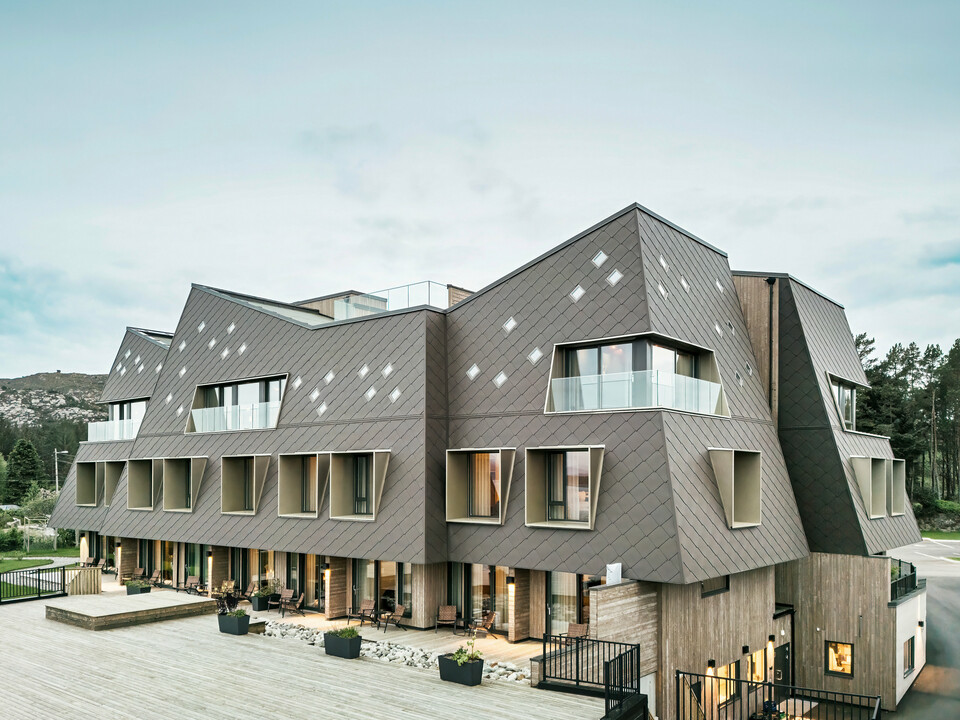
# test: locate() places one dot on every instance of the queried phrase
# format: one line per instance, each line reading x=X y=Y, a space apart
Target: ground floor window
x=839 y=658
x=727 y=687
x=145 y=556
x=908 y=656
x=166 y=560
x=757 y=672
x=385 y=582
x=195 y=563
x=313 y=582
x=261 y=566
x=239 y=568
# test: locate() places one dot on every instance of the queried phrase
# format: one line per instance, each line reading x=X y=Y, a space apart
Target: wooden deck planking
x=187 y=669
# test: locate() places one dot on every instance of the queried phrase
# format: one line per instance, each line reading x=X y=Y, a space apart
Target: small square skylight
x=231 y=327
x=500 y=379
x=662 y=289
x=180 y=411
x=370 y=393
x=684 y=284
x=577 y=293
x=717 y=283
x=473 y=371
x=212 y=343
x=664 y=264
x=387 y=370
x=322 y=409
x=201 y=326
x=223 y=355
x=314 y=395
x=139 y=369
x=395 y=395
x=183 y=371
x=242 y=349
x=159 y=367
x=716 y=326
x=362 y=372
x=183 y=345
x=126 y=354
x=614 y=277
x=599 y=259
x=169 y=398
x=328 y=378
x=297 y=382
x=119 y=365
x=534 y=356
x=123 y=371
x=510 y=324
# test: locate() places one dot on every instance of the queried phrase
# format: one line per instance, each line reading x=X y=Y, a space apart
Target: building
x=624 y=398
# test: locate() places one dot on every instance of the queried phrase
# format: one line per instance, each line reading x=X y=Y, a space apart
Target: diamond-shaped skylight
x=223 y=355
x=123 y=371
x=126 y=354
x=535 y=355
x=242 y=349
x=201 y=326
x=180 y=411
x=387 y=370
x=739 y=378
x=749 y=368
x=169 y=398
x=730 y=327
x=139 y=369
x=183 y=345
x=362 y=372
x=328 y=378
x=119 y=365
x=717 y=283
x=614 y=277
x=322 y=409
x=314 y=395
x=212 y=342
x=159 y=367
x=370 y=393
x=510 y=324
x=297 y=381
x=599 y=259
x=136 y=360
x=664 y=264
x=395 y=395
x=684 y=284
x=577 y=293
x=473 y=371
x=500 y=379
x=716 y=326
x=231 y=327
x=662 y=289
x=183 y=371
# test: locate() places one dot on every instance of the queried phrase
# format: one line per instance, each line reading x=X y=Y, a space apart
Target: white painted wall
x=909 y=615
x=648 y=687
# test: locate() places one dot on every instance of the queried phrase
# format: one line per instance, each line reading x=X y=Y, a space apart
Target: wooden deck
x=188 y=670
x=105 y=612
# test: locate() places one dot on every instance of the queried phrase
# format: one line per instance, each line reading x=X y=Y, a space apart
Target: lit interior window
x=840 y=658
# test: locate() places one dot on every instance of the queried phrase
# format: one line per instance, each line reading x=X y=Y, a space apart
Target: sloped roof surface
x=134 y=373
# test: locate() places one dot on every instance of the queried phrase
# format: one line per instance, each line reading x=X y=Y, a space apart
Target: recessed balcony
x=634 y=391
x=255 y=416
x=113 y=430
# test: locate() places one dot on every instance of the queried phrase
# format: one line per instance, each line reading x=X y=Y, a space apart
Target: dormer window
x=568 y=485
x=845 y=396
x=248 y=405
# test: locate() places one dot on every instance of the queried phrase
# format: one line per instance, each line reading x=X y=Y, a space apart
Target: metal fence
x=32 y=584
x=578 y=662
x=622 y=698
x=903 y=579
x=709 y=697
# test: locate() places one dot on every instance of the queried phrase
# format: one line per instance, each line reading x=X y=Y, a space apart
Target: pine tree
x=24 y=468
x=3 y=480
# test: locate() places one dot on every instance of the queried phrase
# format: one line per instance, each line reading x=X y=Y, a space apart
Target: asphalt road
x=936 y=693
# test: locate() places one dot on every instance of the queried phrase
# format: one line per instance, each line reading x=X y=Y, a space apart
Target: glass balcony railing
x=398 y=298
x=112 y=430
x=633 y=390
x=256 y=416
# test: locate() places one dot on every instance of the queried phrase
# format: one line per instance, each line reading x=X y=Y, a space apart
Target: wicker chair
x=394 y=617
x=446 y=615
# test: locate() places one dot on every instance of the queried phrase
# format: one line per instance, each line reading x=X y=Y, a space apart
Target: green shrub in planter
x=343 y=643
x=137 y=587
x=465 y=666
x=234 y=623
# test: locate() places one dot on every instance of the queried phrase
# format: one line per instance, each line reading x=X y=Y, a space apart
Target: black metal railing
x=32 y=584
x=701 y=696
x=903 y=579
x=578 y=662
x=622 y=698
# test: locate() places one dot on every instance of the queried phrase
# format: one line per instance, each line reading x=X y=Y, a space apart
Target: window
x=714 y=586
x=909 y=656
x=758 y=666
x=839 y=658
x=478 y=484
x=248 y=484
x=568 y=486
x=187 y=486
x=252 y=405
x=181 y=482
x=242 y=478
x=727 y=685
x=356 y=484
x=361 y=485
x=845 y=396
x=740 y=481
x=483 y=480
x=127 y=410
x=299 y=479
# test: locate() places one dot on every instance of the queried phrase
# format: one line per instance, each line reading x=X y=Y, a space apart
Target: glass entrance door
x=314 y=592
x=562 y=601
x=166 y=560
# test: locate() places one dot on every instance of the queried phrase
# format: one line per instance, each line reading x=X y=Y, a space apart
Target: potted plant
x=137 y=587
x=344 y=643
x=465 y=666
x=235 y=622
x=262 y=596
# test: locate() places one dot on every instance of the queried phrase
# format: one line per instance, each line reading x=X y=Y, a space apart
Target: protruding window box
x=144 y=483
x=872 y=476
x=252 y=404
x=181 y=483
x=111 y=478
x=562 y=485
x=356 y=484
x=478 y=484
x=897 y=490
x=89 y=483
x=242 y=478
x=302 y=484
x=740 y=481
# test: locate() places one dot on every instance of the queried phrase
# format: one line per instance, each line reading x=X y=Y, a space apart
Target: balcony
x=903 y=579
x=398 y=298
x=112 y=430
x=256 y=416
x=636 y=390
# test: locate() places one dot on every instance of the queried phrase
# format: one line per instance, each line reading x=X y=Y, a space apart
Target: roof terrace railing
x=635 y=390
x=255 y=416
x=112 y=430
x=903 y=579
x=397 y=298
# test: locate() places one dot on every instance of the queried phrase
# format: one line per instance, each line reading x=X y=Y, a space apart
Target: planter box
x=337 y=646
x=470 y=673
x=132 y=590
x=233 y=625
x=259 y=603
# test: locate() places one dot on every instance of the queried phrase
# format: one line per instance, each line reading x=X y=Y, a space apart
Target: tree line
x=27 y=455
x=914 y=399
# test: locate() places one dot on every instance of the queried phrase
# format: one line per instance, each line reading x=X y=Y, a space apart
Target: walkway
x=187 y=669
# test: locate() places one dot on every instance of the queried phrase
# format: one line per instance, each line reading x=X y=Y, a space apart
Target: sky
x=290 y=150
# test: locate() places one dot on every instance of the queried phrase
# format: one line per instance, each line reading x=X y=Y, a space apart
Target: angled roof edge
x=633 y=207
x=791 y=278
x=151 y=335
x=329 y=296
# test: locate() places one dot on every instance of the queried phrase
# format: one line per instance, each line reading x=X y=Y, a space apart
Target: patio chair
x=291 y=605
x=137 y=574
x=485 y=624
x=368 y=611
x=190 y=586
x=394 y=617
x=446 y=615
x=575 y=631
x=101 y=564
x=251 y=589
x=285 y=596
x=155 y=579
x=89 y=562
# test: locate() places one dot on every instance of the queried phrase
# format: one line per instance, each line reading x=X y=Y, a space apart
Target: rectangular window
x=846 y=398
x=307 y=471
x=248 y=484
x=187 y=485
x=758 y=666
x=568 y=485
x=727 y=687
x=252 y=405
x=361 y=485
x=839 y=658
x=909 y=648
x=714 y=586
x=483 y=478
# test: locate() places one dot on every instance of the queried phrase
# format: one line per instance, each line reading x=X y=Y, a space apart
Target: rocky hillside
x=30 y=400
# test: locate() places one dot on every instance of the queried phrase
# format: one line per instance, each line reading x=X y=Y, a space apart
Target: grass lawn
x=8 y=565
x=936 y=535
x=59 y=552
